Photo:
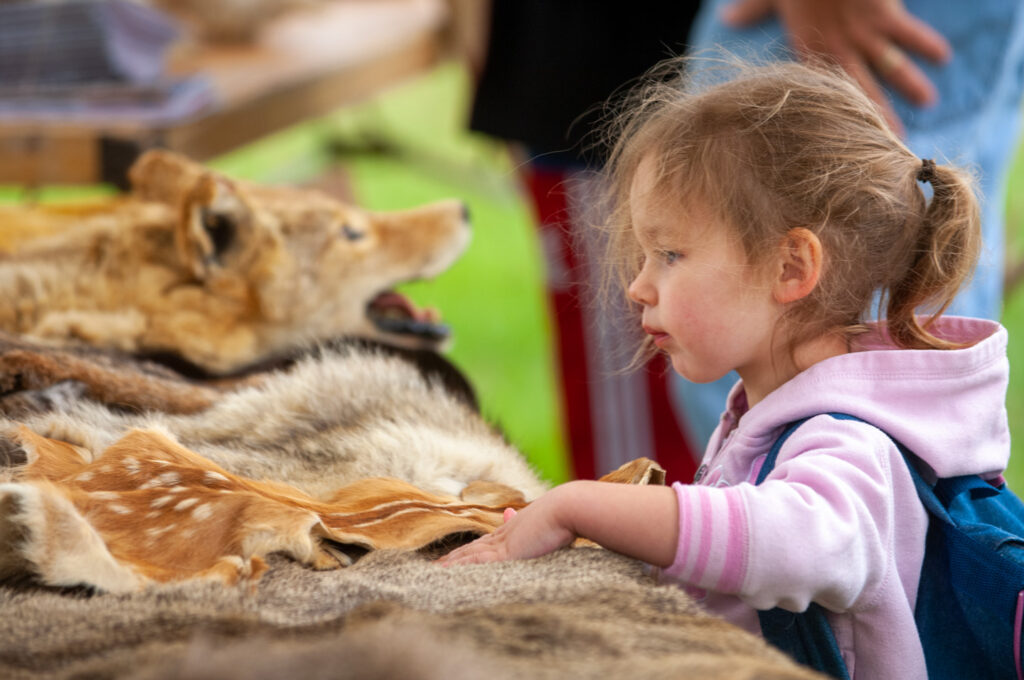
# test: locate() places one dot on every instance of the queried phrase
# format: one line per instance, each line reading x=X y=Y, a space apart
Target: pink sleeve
x=712 y=551
x=819 y=528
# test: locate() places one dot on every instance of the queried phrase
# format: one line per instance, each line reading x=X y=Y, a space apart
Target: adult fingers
x=851 y=62
x=746 y=12
x=902 y=74
x=918 y=37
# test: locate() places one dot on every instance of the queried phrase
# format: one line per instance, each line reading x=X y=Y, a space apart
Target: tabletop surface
x=301 y=65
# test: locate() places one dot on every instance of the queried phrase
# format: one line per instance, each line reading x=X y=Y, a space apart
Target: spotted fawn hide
x=147 y=509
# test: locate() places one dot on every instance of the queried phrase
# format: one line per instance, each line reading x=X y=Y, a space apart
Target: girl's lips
x=658 y=337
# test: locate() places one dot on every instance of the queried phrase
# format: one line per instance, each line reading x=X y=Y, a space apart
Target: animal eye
x=351 y=233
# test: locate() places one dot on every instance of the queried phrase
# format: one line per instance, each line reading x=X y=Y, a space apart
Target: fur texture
x=148 y=510
x=109 y=499
x=225 y=274
x=114 y=501
x=332 y=419
x=581 y=613
x=35 y=378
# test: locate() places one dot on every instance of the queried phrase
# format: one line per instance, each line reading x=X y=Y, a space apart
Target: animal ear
x=213 y=218
x=163 y=176
x=801 y=259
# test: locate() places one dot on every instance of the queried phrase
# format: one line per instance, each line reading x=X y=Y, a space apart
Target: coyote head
x=224 y=273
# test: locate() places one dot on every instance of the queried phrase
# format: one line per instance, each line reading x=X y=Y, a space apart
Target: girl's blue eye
x=669 y=256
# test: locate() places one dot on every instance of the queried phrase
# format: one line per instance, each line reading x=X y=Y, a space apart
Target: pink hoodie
x=838 y=521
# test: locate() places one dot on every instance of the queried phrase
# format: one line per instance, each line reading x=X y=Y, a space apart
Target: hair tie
x=927 y=171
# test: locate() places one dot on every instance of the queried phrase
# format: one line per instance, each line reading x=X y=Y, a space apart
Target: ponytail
x=941 y=258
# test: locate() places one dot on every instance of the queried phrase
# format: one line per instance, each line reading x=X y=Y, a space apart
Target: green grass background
x=493 y=297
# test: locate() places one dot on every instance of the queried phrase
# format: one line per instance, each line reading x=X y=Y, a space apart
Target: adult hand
x=869 y=39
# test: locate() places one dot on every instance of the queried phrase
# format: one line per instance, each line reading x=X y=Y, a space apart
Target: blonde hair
x=787 y=145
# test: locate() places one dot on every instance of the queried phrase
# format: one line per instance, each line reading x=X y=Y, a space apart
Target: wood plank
x=35 y=155
x=303 y=65
x=293 y=102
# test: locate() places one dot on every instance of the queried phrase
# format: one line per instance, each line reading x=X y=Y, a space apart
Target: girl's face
x=703 y=303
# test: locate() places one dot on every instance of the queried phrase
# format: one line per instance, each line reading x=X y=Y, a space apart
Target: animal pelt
x=580 y=613
x=225 y=274
x=334 y=418
x=348 y=414
x=35 y=377
x=148 y=510
x=307 y=441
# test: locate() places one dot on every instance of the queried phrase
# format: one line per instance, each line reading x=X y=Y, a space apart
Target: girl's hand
x=867 y=38
x=534 y=531
x=639 y=521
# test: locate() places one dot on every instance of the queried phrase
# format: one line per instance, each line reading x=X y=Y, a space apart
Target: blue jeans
x=976 y=124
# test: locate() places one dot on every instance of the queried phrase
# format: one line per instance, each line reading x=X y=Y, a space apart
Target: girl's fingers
x=460 y=554
x=473 y=553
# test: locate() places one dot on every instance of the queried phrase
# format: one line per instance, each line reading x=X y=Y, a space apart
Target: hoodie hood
x=947 y=406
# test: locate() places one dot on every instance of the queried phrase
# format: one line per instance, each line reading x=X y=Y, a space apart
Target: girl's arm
x=638 y=521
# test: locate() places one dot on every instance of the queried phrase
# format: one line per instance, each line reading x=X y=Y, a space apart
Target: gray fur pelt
x=344 y=415
x=579 y=613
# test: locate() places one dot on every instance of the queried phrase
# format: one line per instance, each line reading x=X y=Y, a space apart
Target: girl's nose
x=640 y=291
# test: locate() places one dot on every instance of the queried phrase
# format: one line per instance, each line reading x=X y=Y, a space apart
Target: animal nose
x=465 y=213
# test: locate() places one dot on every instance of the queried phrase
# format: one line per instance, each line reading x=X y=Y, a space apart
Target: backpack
x=970 y=602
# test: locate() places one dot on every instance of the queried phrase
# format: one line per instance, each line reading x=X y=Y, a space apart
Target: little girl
x=756 y=222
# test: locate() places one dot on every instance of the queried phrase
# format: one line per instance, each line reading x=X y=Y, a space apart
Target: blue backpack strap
x=970 y=600
x=807 y=636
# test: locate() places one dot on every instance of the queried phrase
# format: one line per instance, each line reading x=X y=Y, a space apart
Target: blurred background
x=392 y=136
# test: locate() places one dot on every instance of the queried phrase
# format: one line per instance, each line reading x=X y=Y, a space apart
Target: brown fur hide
x=34 y=378
x=329 y=421
x=37 y=378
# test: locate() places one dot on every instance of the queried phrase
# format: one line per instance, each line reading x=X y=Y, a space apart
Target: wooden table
x=303 y=65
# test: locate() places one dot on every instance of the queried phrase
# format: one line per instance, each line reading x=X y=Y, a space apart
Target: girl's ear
x=801 y=262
